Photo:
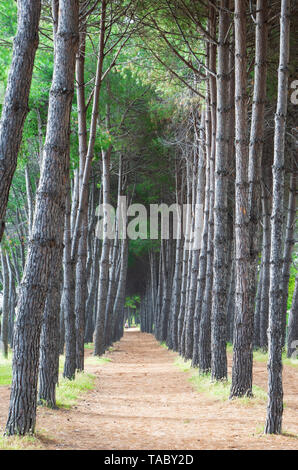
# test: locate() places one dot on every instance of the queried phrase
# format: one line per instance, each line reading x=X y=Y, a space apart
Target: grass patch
x=6 y=369
x=5 y=374
x=20 y=443
x=261 y=356
x=89 y=345
x=68 y=391
x=97 y=360
x=218 y=390
x=163 y=344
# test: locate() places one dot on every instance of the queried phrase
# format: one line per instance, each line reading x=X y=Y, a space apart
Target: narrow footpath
x=142 y=400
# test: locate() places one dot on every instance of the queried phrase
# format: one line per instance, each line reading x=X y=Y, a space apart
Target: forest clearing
x=148 y=224
x=143 y=400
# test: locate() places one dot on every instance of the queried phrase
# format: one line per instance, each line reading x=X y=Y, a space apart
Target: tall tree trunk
x=275 y=390
x=205 y=321
x=45 y=242
x=221 y=245
x=81 y=258
x=243 y=331
x=256 y=146
x=15 y=108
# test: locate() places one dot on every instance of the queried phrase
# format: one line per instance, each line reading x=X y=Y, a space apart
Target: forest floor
x=142 y=400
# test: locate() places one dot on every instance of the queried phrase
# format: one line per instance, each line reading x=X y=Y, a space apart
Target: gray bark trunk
x=221 y=235
x=293 y=324
x=275 y=390
x=243 y=331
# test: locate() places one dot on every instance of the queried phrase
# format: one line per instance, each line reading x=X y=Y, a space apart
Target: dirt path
x=143 y=401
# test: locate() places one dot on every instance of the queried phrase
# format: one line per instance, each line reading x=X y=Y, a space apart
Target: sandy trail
x=143 y=401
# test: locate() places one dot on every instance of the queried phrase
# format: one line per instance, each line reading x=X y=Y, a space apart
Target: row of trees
x=160 y=102
x=197 y=300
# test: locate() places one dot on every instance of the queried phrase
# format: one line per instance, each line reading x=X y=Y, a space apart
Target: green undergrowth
x=20 y=443
x=218 y=390
x=261 y=356
x=6 y=369
x=68 y=391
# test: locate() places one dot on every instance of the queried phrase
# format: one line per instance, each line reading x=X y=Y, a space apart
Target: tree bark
x=243 y=331
x=99 y=342
x=275 y=390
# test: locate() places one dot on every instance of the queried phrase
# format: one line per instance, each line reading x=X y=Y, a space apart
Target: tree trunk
x=221 y=245
x=205 y=321
x=275 y=390
x=243 y=331
x=99 y=342
x=68 y=299
x=45 y=242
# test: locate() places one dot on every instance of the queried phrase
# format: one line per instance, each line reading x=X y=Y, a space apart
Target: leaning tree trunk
x=199 y=200
x=15 y=108
x=80 y=259
x=68 y=299
x=45 y=242
x=204 y=245
x=275 y=390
